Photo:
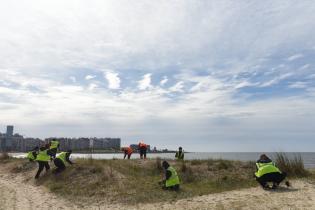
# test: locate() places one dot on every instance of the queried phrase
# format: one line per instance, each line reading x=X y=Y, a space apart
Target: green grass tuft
x=294 y=167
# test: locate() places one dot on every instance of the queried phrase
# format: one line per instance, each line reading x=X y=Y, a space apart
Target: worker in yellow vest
x=61 y=159
x=268 y=172
x=179 y=155
x=42 y=158
x=31 y=155
x=171 y=179
x=53 y=146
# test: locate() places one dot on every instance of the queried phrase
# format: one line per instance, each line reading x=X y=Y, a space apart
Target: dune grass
x=4 y=156
x=136 y=181
x=293 y=166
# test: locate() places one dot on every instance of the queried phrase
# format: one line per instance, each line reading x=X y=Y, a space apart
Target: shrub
x=187 y=174
x=224 y=165
x=158 y=164
x=196 y=162
x=4 y=156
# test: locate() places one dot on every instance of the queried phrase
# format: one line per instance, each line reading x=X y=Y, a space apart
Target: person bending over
x=60 y=161
x=31 y=155
x=42 y=158
x=127 y=152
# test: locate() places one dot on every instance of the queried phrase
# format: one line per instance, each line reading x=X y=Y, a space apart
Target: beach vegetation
x=293 y=166
x=137 y=181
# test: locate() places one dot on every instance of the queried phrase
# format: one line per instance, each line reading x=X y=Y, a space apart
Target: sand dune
x=18 y=193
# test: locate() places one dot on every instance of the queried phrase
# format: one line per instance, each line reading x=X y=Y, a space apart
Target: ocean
x=308 y=157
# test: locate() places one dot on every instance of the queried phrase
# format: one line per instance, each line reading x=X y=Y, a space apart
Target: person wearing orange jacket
x=143 y=150
x=128 y=151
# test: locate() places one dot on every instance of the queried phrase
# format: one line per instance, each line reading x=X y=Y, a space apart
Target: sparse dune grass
x=293 y=166
x=4 y=156
x=136 y=181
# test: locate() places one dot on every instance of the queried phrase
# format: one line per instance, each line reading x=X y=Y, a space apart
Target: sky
x=211 y=76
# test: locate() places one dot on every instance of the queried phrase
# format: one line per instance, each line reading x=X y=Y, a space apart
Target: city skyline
x=205 y=75
x=14 y=142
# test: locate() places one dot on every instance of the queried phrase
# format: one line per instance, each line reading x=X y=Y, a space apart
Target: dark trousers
x=143 y=153
x=41 y=165
x=174 y=188
x=129 y=155
x=53 y=152
x=275 y=178
x=60 y=165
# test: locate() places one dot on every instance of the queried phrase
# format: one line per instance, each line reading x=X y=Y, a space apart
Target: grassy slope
x=136 y=181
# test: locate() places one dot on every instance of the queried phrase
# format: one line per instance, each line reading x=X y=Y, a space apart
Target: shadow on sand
x=283 y=190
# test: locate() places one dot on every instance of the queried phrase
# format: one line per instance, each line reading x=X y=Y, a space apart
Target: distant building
x=6 y=139
x=84 y=144
x=10 y=130
x=15 y=142
x=2 y=142
x=134 y=147
x=31 y=143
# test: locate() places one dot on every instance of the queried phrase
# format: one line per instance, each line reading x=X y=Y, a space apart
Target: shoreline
x=308 y=158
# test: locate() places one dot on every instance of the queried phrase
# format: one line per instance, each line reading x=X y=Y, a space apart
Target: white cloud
x=245 y=84
x=113 y=80
x=306 y=66
x=92 y=86
x=276 y=80
x=192 y=38
x=178 y=87
x=145 y=83
x=164 y=81
x=89 y=77
x=299 y=85
x=294 y=57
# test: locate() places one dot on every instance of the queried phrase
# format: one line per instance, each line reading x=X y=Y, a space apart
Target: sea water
x=308 y=157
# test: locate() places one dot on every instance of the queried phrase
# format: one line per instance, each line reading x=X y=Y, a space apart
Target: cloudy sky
x=219 y=75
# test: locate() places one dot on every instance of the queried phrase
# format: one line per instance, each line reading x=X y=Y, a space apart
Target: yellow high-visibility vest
x=266 y=168
x=173 y=180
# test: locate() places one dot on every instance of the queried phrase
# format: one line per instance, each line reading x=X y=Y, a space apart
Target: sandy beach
x=19 y=192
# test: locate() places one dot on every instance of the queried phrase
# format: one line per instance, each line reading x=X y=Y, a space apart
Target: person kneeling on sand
x=60 y=161
x=268 y=172
x=42 y=158
x=171 y=179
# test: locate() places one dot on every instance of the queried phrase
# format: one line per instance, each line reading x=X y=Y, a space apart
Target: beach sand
x=17 y=192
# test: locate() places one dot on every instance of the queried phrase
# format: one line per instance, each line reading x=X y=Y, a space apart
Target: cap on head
x=180 y=148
